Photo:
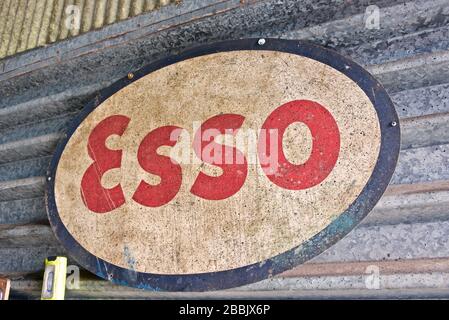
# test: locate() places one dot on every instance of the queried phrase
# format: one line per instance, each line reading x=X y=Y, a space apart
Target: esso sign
x=232 y=161
x=222 y=166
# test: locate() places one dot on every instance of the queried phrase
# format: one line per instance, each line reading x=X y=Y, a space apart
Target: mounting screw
x=49 y=178
x=130 y=75
x=261 y=42
x=393 y=123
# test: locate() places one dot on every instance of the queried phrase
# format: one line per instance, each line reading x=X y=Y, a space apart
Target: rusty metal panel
x=404 y=238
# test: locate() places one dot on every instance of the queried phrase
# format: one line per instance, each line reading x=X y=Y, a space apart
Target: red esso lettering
x=95 y=197
x=166 y=168
x=234 y=173
x=281 y=172
x=325 y=145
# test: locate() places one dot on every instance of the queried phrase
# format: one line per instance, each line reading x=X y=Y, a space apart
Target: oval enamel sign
x=222 y=166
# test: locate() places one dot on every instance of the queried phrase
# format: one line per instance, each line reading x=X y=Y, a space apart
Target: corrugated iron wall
x=27 y=24
x=404 y=240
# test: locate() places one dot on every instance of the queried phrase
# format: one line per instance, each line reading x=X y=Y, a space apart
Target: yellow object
x=53 y=287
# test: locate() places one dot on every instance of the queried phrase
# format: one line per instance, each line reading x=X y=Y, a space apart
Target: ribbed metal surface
x=405 y=237
x=27 y=24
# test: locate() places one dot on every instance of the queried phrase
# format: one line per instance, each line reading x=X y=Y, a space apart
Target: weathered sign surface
x=222 y=166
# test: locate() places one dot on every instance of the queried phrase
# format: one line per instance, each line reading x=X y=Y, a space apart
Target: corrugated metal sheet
x=405 y=238
x=27 y=24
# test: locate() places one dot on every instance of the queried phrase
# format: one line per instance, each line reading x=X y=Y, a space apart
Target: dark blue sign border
x=370 y=195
